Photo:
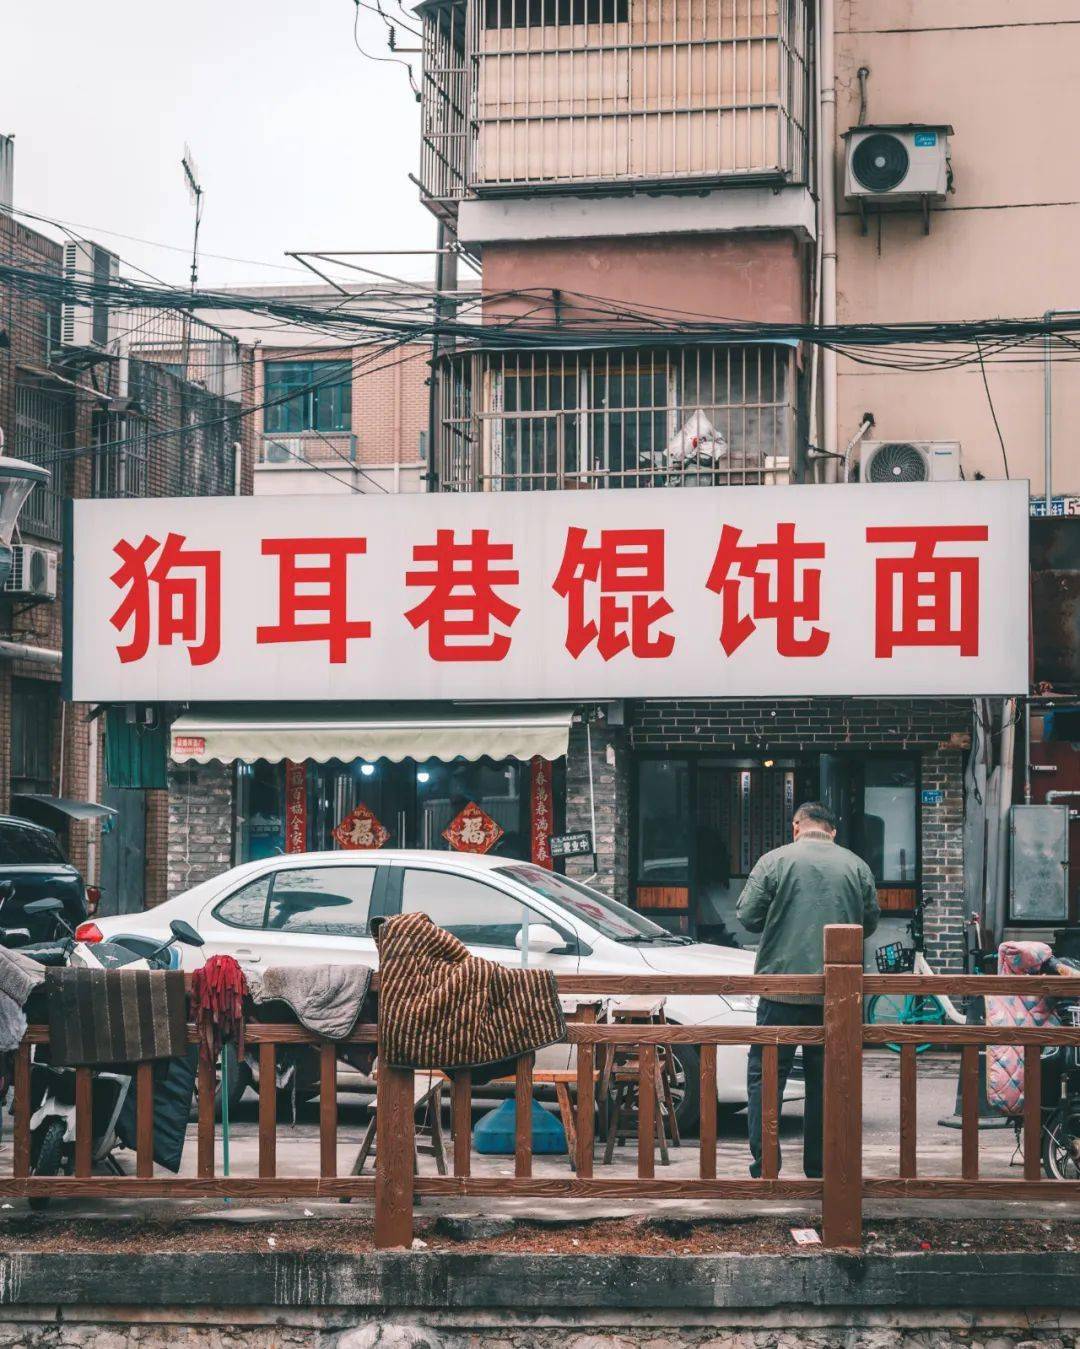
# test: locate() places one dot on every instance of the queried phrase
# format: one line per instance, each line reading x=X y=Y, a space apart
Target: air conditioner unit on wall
x=33 y=572
x=284 y=450
x=897 y=163
x=909 y=461
x=90 y=324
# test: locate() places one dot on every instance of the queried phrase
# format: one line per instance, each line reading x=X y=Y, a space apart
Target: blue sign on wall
x=932 y=797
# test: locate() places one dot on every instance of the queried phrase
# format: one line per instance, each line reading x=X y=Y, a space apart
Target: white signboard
x=699 y=592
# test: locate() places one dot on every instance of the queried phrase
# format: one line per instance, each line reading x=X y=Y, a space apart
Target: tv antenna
x=195 y=192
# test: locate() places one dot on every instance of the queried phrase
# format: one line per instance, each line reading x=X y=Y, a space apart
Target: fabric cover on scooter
x=1005 y=1063
x=174 y=1088
x=99 y=1017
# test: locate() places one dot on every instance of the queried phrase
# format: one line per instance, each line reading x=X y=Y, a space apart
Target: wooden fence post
x=841 y=1207
x=394 y=1154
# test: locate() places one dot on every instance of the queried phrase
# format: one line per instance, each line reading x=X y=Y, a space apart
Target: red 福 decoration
x=472 y=830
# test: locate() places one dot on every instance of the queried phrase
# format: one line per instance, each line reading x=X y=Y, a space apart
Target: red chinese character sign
x=563 y=597
x=472 y=830
x=361 y=828
x=542 y=821
x=295 y=807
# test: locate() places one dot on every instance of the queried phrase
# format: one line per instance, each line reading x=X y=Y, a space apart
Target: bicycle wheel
x=1061 y=1143
x=887 y=1010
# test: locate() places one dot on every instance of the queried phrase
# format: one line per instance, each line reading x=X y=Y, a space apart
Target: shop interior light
x=422 y=775
x=367 y=769
x=767 y=763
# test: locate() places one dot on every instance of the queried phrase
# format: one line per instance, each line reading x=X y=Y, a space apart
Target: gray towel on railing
x=115 y=1016
x=12 y=1024
x=325 y=998
x=19 y=975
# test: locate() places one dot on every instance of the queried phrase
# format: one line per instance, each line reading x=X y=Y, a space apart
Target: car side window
x=327 y=901
x=245 y=907
x=477 y=914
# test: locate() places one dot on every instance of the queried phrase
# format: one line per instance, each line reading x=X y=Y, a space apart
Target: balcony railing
x=537 y=421
x=547 y=93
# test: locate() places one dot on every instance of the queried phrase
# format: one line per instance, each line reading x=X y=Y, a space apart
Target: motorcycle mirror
x=44 y=906
x=185 y=932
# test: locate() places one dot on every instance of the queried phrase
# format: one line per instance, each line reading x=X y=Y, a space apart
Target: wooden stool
x=620 y=1080
x=427 y=1093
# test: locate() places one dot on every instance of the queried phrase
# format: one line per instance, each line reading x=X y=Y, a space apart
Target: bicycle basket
x=895 y=958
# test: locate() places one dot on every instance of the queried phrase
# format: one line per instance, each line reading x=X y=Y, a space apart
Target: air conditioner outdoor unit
x=909 y=461
x=897 y=163
x=33 y=571
x=284 y=450
x=90 y=324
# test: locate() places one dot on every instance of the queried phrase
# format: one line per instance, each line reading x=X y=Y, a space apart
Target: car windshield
x=20 y=843
x=607 y=916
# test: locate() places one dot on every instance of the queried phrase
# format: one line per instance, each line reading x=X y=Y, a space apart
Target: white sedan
x=315 y=908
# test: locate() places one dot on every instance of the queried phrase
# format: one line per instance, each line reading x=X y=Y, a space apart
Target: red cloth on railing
x=217 y=1004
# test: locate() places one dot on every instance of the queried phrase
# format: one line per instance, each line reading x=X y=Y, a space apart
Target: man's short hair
x=814 y=812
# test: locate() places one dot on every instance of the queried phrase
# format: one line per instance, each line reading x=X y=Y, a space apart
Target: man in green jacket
x=790 y=897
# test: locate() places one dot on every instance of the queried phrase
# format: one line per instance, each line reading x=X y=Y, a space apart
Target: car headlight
x=741 y=1002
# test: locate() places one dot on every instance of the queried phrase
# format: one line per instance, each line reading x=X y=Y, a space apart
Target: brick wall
x=200 y=816
x=610 y=791
x=797 y=724
x=389 y=401
x=943 y=859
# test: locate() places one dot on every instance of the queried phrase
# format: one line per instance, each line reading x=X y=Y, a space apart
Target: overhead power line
x=595 y=323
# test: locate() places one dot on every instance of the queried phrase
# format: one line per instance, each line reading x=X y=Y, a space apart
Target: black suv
x=32 y=861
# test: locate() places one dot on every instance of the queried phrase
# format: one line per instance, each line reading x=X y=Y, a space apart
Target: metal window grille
x=444 y=101
x=651 y=418
x=534 y=92
x=121 y=446
x=42 y=433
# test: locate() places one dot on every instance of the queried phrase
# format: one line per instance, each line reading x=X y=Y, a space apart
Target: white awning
x=456 y=732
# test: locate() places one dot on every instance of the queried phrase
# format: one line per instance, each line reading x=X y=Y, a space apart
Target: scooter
x=52 y=1089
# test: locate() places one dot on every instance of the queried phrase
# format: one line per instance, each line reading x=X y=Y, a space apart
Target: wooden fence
x=395 y=1186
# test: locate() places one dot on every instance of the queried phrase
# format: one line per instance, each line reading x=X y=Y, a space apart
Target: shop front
x=703 y=822
x=309 y=779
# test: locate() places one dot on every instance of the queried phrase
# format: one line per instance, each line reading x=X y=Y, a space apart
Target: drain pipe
x=1048 y=414
x=40 y=654
x=827 y=194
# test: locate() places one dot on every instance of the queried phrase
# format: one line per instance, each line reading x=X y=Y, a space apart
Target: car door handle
x=246 y=953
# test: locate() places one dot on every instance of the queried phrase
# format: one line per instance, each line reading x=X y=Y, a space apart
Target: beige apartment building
x=329 y=417
x=1001 y=244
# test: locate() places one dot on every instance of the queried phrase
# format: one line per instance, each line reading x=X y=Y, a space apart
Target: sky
x=300 y=142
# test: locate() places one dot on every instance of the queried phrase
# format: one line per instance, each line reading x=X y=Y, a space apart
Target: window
x=477 y=914
x=889 y=826
x=259 y=811
x=33 y=705
x=547 y=13
x=21 y=844
x=308 y=396
x=327 y=901
x=42 y=422
x=635 y=419
x=245 y=907
x=607 y=916
x=664 y=822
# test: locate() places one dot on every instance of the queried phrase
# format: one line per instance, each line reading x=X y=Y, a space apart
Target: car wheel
x=686 y=1089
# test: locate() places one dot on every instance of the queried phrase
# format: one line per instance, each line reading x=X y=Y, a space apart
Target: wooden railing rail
x=395 y=1184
